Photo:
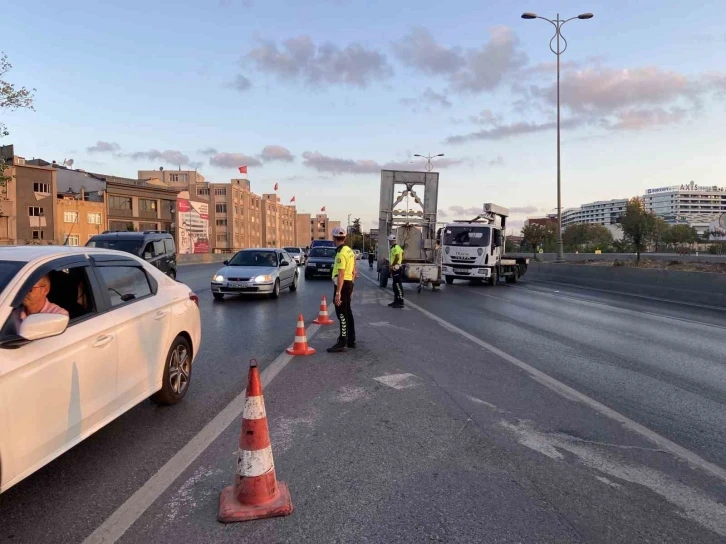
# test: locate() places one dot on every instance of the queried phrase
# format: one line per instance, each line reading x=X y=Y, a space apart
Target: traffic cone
x=323 y=317
x=300 y=346
x=256 y=493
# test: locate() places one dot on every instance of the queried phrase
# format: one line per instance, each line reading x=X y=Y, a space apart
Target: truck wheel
x=449 y=280
x=383 y=278
x=494 y=278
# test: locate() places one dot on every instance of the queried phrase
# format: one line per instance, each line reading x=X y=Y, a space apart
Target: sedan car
x=85 y=335
x=298 y=254
x=261 y=271
x=320 y=262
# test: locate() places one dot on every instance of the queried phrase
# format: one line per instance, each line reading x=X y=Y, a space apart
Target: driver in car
x=36 y=301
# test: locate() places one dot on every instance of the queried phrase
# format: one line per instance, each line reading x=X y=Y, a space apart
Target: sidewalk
x=419 y=435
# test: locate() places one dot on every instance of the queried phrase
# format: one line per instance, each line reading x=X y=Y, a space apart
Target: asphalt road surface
x=527 y=413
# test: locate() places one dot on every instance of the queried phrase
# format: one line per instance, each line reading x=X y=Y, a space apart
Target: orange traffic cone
x=323 y=317
x=300 y=346
x=256 y=493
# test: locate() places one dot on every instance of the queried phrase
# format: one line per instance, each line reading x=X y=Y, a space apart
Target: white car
x=298 y=254
x=132 y=333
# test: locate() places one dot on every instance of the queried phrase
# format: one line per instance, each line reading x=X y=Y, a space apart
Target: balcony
x=120 y=212
x=148 y=214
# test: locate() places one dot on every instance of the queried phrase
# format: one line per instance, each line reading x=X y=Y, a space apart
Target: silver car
x=256 y=272
x=298 y=254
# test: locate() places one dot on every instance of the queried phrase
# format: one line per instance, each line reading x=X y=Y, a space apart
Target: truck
x=475 y=249
x=407 y=210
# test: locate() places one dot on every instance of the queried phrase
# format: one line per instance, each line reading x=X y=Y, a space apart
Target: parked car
x=298 y=254
x=154 y=246
x=358 y=254
x=256 y=272
x=131 y=333
x=320 y=262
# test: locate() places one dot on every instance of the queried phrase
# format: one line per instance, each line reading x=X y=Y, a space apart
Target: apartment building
x=303 y=230
x=278 y=222
x=79 y=217
x=332 y=225
x=319 y=227
x=181 y=180
x=235 y=212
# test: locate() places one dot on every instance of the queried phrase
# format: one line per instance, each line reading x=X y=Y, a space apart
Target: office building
x=303 y=230
x=278 y=222
x=688 y=203
x=601 y=212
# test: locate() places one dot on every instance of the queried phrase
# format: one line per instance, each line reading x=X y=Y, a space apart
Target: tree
x=682 y=234
x=638 y=226
x=11 y=99
x=585 y=236
x=355 y=228
x=660 y=232
x=535 y=235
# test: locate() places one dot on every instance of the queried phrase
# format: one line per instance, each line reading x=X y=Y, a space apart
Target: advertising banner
x=193 y=220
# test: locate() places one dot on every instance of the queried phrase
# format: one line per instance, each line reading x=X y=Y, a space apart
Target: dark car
x=154 y=246
x=322 y=243
x=320 y=262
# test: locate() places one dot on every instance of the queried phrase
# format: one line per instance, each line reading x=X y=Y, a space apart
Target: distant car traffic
x=155 y=247
x=260 y=271
x=85 y=335
x=298 y=254
x=320 y=262
x=322 y=243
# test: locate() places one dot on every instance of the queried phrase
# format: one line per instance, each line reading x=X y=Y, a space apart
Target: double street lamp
x=558 y=49
x=428 y=158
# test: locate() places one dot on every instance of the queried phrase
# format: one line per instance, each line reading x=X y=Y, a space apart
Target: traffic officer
x=344 y=272
x=396 y=264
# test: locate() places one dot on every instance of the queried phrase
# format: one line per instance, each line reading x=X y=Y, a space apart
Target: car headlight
x=218 y=277
x=312 y=265
x=263 y=279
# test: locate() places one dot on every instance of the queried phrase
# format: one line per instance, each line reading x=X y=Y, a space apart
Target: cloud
x=500 y=132
x=104 y=147
x=337 y=166
x=459 y=211
x=207 y=151
x=440 y=99
x=170 y=156
x=497 y=161
x=233 y=160
x=523 y=210
x=486 y=117
x=430 y=97
x=420 y=51
x=276 y=153
x=299 y=59
x=639 y=119
x=240 y=83
x=442 y=213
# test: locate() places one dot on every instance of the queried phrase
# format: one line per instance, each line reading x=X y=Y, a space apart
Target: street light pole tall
x=428 y=158
x=558 y=38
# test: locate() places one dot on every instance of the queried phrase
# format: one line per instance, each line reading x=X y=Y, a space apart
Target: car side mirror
x=147 y=255
x=226 y=263
x=284 y=263
x=39 y=326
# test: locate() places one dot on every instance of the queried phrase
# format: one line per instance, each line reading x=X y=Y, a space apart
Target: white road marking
x=608 y=482
x=379 y=324
x=398 y=381
x=124 y=517
x=568 y=392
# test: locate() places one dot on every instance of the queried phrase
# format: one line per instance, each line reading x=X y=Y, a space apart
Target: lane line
x=573 y=394
x=126 y=515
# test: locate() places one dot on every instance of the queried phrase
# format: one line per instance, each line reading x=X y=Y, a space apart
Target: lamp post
x=428 y=158
x=558 y=38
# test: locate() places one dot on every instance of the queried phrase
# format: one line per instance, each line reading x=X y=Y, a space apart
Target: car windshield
x=129 y=246
x=467 y=236
x=323 y=243
x=328 y=252
x=254 y=258
x=292 y=249
x=8 y=269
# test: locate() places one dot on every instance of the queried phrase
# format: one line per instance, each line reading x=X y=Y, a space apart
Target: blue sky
x=334 y=89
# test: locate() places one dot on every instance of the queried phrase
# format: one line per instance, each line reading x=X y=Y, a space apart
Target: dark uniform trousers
x=397 y=276
x=345 y=313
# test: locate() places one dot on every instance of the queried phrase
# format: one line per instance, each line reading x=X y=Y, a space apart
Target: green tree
x=11 y=99
x=535 y=235
x=587 y=237
x=638 y=226
x=355 y=228
x=661 y=231
x=681 y=235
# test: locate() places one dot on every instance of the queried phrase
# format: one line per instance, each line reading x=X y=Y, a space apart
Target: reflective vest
x=396 y=250
x=345 y=261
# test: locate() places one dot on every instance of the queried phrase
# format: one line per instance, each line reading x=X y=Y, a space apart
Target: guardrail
x=201 y=258
x=580 y=257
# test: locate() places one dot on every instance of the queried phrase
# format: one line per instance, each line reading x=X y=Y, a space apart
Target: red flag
x=322 y=209
x=292 y=200
x=242 y=169
x=275 y=186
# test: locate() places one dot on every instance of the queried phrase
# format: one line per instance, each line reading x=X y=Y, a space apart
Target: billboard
x=193 y=226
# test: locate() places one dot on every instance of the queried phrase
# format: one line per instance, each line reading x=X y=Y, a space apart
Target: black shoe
x=338 y=348
x=391 y=304
x=397 y=305
x=352 y=345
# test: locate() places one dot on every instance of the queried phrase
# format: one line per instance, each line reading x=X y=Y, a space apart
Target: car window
x=169 y=245
x=128 y=246
x=254 y=258
x=8 y=269
x=159 y=249
x=285 y=257
x=292 y=249
x=124 y=283
x=328 y=252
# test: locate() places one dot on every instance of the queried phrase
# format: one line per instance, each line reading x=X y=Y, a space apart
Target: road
x=432 y=430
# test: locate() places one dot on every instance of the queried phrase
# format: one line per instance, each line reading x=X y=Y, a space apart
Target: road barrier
x=300 y=345
x=691 y=287
x=631 y=257
x=323 y=316
x=256 y=493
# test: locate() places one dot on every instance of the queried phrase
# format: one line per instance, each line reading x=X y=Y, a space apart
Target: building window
x=41 y=187
x=203 y=191
x=94 y=218
x=221 y=237
x=221 y=208
x=176 y=178
x=70 y=217
x=72 y=240
x=220 y=191
x=35 y=211
x=38 y=235
x=119 y=202
x=221 y=222
x=146 y=205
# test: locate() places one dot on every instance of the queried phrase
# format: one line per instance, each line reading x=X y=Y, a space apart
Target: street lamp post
x=558 y=38
x=428 y=158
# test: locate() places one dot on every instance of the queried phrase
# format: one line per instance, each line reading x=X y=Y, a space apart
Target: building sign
x=193 y=226
x=693 y=186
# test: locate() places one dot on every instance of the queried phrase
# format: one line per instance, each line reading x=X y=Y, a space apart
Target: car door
x=289 y=269
x=57 y=390
x=162 y=258
x=142 y=313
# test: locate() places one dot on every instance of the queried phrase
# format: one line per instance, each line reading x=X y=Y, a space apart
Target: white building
x=602 y=212
x=696 y=205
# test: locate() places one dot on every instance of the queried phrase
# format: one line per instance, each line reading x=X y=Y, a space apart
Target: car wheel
x=275 y=290
x=172 y=274
x=383 y=278
x=177 y=373
x=218 y=296
x=449 y=280
x=293 y=287
x=494 y=278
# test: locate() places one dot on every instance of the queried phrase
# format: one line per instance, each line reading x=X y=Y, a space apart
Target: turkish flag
x=275 y=186
x=292 y=200
x=322 y=209
x=242 y=169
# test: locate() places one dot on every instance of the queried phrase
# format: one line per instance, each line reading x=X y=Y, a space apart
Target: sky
x=318 y=96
